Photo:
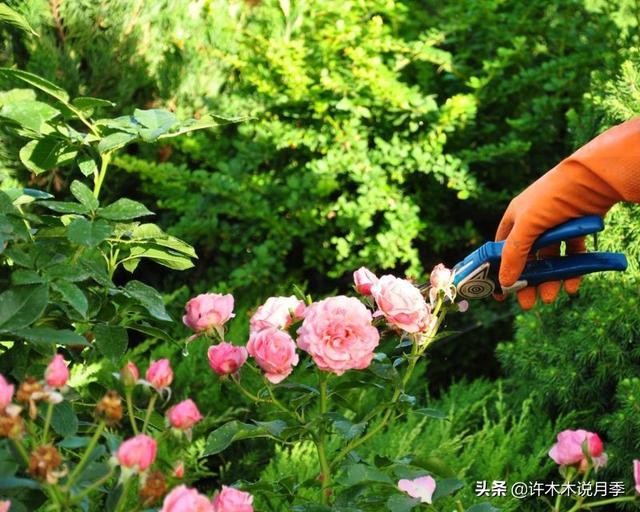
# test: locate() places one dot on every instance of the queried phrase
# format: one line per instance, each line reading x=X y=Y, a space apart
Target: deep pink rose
x=160 y=374
x=225 y=358
x=129 y=374
x=184 y=499
x=6 y=393
x=338 y=334
x=5 y=505
x=138 y=452
x=401 y=303
x=232 y=500
x=568 y=450
x=208 y=311
x=636 y=474
x=184 y=415
x=421 y=488
x=274 y=351
x=364 y=279
x=278 y=312
x=57 y=374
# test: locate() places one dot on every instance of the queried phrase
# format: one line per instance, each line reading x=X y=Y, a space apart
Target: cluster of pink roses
x=337 y=332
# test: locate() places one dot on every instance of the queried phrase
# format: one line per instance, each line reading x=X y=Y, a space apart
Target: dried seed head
x=11 y=425
x=109 y=408
x=44 y=462
x=28 y=389
x=153 y=488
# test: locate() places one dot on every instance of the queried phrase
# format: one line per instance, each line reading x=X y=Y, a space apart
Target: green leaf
x=482 y=507
x=124 y=209
x=22 y=276
x=206 y=121
x=89 y=103
x=431 y=413
x=154 y=233
x=84 y=195
x=115 y=141
x=8 y=15
x=359 y=473
x=30 y=114
x=446 y=487
x=275 y=427
x=152 y=331
x=111 y=340
x=230 y=432
x=40 y=155
x=65 y=207
x=22 y=305
x=64 y=420
x=74 y=442
x=52 y=336
x=87 y=165
x=38 y=82
x=402 y=503
x=147 y=297
x=83 y=232
x=18 y=483
x=155 y=118
x=72 y=295
x=162 y=256
x=346 y=428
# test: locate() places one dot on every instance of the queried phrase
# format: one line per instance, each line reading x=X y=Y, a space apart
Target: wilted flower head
x=225 y=358
x=208 y=311
x=109 y=408
x=11 y=423
x=421 y=488
x=278 y=312
x=57 y=373
x=153 y=488
x=232 y=500
x=44 y=462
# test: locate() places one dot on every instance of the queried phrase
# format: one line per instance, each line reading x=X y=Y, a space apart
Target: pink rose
x=138 y=452
x=184 y=499
x=208 y=311
x=184 y=415
x=159 y=374
x=129 y=374
x=5 y=505
x=6 y=393
x=57 y=374
x=226 y=358
x=401 y=303
x=441 y=279
x=275 y=353
x=421 y=488
x=278 y=312
x=636 y=474
x=232 y=500
x=364 y=279
x=568 y=450
x=338 y=334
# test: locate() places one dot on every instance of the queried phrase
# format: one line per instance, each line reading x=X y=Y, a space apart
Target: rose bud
x=6 y=393
x=184 y=415
x=178 y=471
x=568 y=451
x=129 y=374
x=232 y=500
x=208 y=311
x=57 y=373
x=137 y=453
x=159 y=374
x=184 y=499
x=225 y=358
x=364 y=279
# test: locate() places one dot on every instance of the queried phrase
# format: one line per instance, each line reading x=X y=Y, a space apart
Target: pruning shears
x=476 y=276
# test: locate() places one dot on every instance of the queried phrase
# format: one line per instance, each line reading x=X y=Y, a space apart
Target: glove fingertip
x=527 y=298
x=549 y=291
x=572 y=285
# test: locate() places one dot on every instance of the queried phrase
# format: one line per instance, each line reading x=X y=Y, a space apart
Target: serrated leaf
x=148 y=297
x=446 y=487
x=84 y=195
x=154 y=234
x=83 y=232
x=64 y=420
x=87 y=103
x=206 y=121
x=111 y=341
x=22 y=305
x=51 y=336
x=124 y=209
x=40 y=155
x=156 y=118
x=162 y=256
x=274 y=427
x=8 y=15
x=38 y=82
x=72 y=295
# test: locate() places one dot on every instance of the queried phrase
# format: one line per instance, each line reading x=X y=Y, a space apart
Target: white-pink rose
x=184 y=499
x=278 y=312
x=225 y=358
x=363 y=280
x=421 y=488
x=208 y=311
x=568 y=450
x=6 y=393
x=184 y=415
x=401 y=303
x=232 y=500
x=338 y=334
x=274 y=351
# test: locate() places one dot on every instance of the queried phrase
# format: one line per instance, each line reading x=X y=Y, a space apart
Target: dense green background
x=389 y=134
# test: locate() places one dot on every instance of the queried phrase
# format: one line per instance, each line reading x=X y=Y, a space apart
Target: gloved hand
x=601 y=173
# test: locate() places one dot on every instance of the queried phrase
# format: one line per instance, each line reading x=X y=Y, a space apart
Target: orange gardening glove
x=598 y=175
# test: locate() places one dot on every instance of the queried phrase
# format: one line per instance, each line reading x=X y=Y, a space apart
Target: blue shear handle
x=570 y=229
x=556 y=269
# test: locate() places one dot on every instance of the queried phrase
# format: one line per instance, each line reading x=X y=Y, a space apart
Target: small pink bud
x=6 y=393
x=364 y=279
x=129 y=374
x=208 y=311
x=178 y=471
x=226 y=358
x=184 y=415
x=463 y=306
x=159 y=374
x=232 y=500
x=57 y=373
x=138 y=452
